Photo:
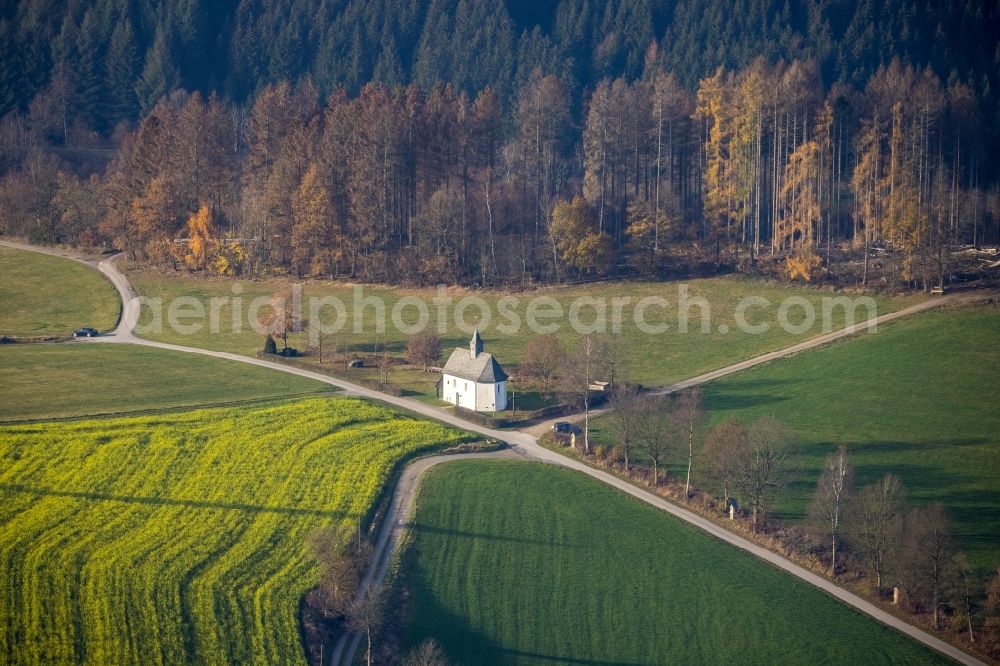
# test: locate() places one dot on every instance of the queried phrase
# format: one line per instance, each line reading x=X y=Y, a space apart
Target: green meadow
x=45 y=381
x=42 y=295
x=550 y=566
x=918 y=398
x=652 y=358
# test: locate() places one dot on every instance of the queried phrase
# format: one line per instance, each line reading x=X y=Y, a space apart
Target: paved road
x=526 y=445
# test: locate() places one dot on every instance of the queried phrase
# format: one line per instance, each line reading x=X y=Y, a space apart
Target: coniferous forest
x=505 y=143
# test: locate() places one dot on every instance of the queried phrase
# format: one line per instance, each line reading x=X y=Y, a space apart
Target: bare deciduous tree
x=829 y=504
x=625 y=401
x=384 y=363
x=762 y=468
x=581 y=370
x=965 y=591
x=688 y=415
x=284 y=314
x=617 y=361
x=428 y=653
x=877 y=520
x=423 y=348
x=366 y=614
x=992 y=603
x=927 y=558
x=544 y=355
x=654 y=433
x=341 y=554
x=725 y=445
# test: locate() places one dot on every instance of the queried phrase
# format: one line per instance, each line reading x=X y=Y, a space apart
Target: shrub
x=270 y=347
x=805 y=266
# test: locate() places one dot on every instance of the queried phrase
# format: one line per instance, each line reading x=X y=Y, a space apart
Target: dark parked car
x=562 y=428
x=85 y=332
x=356 y=363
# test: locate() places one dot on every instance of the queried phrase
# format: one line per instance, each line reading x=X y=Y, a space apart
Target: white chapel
x=473 y=379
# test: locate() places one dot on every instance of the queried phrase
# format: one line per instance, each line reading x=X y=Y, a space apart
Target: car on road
x=563 y=428
x=85 y=332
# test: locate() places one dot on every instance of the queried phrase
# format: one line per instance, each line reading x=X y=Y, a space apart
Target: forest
x=490 y=143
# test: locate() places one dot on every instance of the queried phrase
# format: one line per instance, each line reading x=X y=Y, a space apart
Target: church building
x=473 y=379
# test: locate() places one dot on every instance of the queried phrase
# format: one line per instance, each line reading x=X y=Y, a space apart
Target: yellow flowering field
x=181 y=537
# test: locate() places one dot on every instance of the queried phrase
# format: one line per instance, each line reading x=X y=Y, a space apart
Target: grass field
x=180 y=537
x=654 y=358
x=57 y=381
x=918 y=399
x=552 y=567
x=43 y=295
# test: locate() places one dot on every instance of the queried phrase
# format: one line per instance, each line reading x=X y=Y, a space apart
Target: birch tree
x=688 y=415
x=583 y=368
x=830 y=502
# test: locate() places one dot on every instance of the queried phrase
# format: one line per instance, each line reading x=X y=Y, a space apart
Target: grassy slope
x=180 y=537
x=917 y=399
x=55 y=381
x=656 y=359
x=550 y=566
x=46 y=295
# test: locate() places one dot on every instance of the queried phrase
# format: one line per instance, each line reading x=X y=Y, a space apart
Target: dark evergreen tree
x=11 y=94
x=160 y=74
x=122 y=64
x=91 y=76
x=388 y=67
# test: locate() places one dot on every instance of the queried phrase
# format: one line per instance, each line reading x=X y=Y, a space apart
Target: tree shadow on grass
x=423 y=528
x=370 y=347
x=893 y=446
x=973 y=503
x=168 y=501
x=428 y=618
x=731 y=396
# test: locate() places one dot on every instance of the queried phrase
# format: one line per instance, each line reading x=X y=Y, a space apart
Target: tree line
x=405 y=184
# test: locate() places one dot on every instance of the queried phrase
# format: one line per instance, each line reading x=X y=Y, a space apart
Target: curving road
x=526 y=445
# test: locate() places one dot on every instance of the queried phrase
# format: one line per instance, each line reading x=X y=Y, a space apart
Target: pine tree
x=160 y=74
x=122 y=72
x=91 y=96
x=10 y=85
x=388 y=67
